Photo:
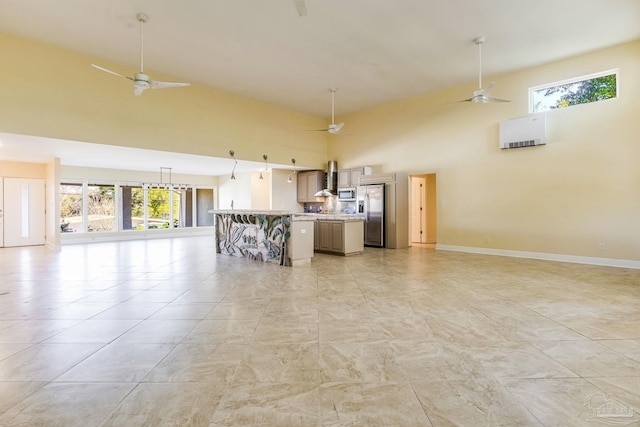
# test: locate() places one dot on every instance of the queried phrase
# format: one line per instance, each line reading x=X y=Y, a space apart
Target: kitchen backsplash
x=331 y=205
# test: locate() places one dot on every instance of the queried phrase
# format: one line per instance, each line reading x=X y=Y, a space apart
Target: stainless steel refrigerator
x=371 y=207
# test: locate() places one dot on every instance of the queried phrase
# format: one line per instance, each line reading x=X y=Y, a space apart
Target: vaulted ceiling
x=372 y=51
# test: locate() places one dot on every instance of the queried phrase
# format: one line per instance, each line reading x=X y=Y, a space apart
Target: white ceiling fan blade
x=462 y=100
x=493 y=99
x=109 y=71
x=301 y=7
x=163 y=85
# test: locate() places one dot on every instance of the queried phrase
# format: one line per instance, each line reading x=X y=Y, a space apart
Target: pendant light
x=289 y=180
x=232 y=153
x=266 y=166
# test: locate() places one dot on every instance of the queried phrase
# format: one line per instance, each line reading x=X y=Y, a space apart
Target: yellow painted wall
x=235 y=193
x=563 y=198
x=53 y=92
x=579 y=190
x=22 y=169
x=261 y=190
x=431 y=208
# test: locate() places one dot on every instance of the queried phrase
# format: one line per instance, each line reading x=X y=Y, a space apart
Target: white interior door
x=24 y=212
x=1 y=212
x=418 y=213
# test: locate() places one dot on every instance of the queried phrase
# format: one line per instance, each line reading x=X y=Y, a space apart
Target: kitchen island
x=285 y=237
x=338 y=234
x=268 y=236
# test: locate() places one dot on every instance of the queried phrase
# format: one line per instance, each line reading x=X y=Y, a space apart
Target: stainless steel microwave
x=347 y=194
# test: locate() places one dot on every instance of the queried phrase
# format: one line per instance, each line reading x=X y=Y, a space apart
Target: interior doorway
x=423 y=227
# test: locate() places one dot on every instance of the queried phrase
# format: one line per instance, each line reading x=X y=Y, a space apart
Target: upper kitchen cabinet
x=309 y=183
x=351 y=177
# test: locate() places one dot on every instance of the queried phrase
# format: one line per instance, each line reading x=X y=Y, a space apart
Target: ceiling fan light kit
x=141 y=81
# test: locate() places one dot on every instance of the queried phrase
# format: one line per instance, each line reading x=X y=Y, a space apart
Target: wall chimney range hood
x=332 y=180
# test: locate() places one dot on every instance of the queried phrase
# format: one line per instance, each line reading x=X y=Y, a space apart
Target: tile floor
x=166 y=333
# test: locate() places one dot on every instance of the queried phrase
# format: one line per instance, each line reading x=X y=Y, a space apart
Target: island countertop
x=295 y=216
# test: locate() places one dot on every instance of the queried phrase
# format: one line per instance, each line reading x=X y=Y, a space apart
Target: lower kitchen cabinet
x=339 y=237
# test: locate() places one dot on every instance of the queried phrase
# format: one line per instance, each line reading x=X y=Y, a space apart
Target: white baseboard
x=609 y=262
x=52 y=246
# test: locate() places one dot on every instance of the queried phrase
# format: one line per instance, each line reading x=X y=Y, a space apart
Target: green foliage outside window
x=574 y=93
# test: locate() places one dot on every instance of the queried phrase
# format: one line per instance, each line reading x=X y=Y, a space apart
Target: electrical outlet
x=487 y=240
x=602 y=247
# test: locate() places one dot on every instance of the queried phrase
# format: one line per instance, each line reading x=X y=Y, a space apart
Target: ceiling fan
x=334 y=128
x=482 y=95
x=140 y=80
x=301 y=7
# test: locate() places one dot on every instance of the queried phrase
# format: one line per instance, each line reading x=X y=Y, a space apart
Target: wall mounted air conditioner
x=523 y=132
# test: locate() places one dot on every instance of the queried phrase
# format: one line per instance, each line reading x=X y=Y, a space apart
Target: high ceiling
x=372 y=51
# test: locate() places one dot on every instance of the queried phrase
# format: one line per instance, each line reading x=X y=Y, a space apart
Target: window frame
x=534 y=89
x=118 y=205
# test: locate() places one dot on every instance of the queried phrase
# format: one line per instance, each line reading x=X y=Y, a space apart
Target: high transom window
x=580 y=90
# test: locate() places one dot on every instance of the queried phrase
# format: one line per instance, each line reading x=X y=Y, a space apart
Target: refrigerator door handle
x=366 y=206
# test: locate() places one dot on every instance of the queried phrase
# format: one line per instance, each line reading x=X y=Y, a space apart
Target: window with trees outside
x=88 y=207
x=71 y=213
x=581 y=90
x=101 y=208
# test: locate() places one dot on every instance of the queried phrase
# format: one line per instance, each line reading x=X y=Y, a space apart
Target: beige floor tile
x=250 y=309
x=35 y=330
x=13 y=392
x=269 y=404
x=66 y=404
x=518 y=360
x=555 y=401
x=433 y=361
x=270 y=331
x=77 y=310
x=176 y=310
x=389 y=337
x=222 y=332
x=199 y=363
x=340 y=330
x=168 y=404
x=291 y=309
x=624 y=391
x=476 y=401
x=371 y=404
x=44 y=362
x=590 y=358
x=359 y=362
x=117 y=362
x=130 y=311
x=630 y=348
x=284 y=363
x=93 y=331
x=159 y=331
